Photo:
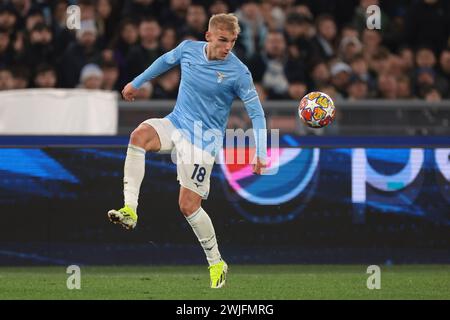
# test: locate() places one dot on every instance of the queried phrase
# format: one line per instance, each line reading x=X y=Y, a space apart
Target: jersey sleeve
x=162 y=64
x=246 y=91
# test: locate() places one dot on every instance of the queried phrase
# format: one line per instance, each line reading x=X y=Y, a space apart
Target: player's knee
x=187 y=207
x=138 y=137
x=145 y=137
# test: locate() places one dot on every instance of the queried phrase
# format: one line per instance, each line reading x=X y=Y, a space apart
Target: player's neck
x=209 y=54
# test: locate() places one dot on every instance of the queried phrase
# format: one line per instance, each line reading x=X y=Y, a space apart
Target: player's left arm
x=246 y=90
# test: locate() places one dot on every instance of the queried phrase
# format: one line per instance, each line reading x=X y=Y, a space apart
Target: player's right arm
x=159 y=66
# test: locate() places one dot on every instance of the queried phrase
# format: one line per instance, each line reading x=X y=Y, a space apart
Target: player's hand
x=259 y=166
x=129 y=92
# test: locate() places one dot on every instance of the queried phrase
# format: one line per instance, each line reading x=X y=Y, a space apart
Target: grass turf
x=255 y=282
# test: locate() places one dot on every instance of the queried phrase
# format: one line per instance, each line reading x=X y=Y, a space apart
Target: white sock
x=204 y=230
x=133 y=175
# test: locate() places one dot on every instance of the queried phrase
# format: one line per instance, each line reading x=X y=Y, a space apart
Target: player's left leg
x=190 y=206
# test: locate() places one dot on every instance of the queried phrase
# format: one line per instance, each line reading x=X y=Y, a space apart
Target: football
x=316 y=109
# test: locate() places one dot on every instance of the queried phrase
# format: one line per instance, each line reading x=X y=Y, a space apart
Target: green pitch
x=244 y=282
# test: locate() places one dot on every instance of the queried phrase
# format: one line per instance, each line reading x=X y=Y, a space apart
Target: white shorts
x=194 y=165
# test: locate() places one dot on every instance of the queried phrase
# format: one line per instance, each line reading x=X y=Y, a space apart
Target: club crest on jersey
x=220 y=77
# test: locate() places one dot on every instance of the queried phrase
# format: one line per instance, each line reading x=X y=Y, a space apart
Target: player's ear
x=208 y=36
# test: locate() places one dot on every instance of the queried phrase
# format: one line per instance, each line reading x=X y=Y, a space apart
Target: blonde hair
x=227 y=21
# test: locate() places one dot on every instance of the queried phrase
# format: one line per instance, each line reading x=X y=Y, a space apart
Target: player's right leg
x=150 y=136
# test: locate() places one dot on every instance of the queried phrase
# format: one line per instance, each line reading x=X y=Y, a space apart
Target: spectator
x=147 y=50
x=106 y=13
x=63 y=36
x=34 y=17
x=349 y=31
x=411 y=60
x=110 y=76
x=196 y=21
x=298 y=37
x=296 y=90
x=87 y=10
x=218 y=6
x=425 y=77
x=8 y=19
x=6 y=79
x=273 y=69
x=169 y=39
x=59 y=15
x=302 y=10
x=91 y=77
x=426 y=61
x=444 y=63
x=21 y=77
x=45 y=77
x=340 y=77
x=166 y=86
x=404 y=90
x=22 y=9
x=320 y=75
x=138 y=9
x=78 y=54
x=371 y=41
x=427 y=23
x=274 y=16
x=425 y=58
x=380 y=61
x=444 y=68
x=39 y=48
x=432 y=94
x=175 y=14
x=396 y=66
x=361 y=69
x=325 y=40
x=341 y=9
x=253 y=30
x=90 y=15
x=357 y=88
x=349 y=47
x=18 y=42
x=407 y=56
x=126 y=38
x=6 y=50
x=387 y=86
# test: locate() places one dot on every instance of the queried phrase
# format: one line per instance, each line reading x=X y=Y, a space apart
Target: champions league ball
x=316 y=109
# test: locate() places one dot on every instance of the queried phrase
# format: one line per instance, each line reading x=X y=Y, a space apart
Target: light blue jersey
x=206 y=93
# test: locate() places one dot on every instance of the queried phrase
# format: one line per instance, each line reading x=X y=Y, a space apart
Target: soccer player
x=211 y=78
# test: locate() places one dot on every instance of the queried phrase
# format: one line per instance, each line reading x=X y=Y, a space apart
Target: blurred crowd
x=291 y=47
